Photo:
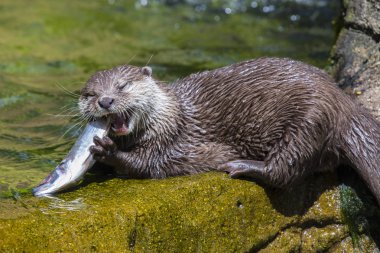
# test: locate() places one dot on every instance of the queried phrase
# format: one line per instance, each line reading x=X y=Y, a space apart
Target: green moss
x=206 y=212
x=323 y=209
x=321 y=239
x=287 y=241
x=352 y=209
x=360 y=213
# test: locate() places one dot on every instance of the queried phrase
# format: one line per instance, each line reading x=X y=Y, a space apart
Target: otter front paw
x=104 y=150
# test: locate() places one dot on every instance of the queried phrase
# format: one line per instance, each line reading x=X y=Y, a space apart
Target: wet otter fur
x=272 y=119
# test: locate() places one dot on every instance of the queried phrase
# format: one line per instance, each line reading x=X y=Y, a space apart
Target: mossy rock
x=202 y=213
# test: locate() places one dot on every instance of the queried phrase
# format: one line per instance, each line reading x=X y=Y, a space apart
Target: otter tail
x=361 y=146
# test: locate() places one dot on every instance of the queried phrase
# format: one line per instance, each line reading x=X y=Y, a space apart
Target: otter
x=274 y=120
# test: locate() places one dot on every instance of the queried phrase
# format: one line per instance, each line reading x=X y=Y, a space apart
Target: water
x=54 y=44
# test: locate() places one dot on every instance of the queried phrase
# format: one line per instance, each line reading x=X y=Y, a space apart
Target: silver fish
x=71 y=170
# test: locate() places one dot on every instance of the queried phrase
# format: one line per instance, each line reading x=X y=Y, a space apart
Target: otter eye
x=89 y=94
x=122 y=86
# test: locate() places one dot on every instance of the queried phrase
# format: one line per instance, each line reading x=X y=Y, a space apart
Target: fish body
x=72 y=168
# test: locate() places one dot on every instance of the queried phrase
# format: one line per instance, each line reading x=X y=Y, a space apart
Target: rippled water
x=49 y=47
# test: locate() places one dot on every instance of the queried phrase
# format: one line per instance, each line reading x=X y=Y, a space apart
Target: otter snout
x=105 y=102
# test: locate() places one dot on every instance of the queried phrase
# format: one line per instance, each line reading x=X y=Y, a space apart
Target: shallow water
x=49 y=48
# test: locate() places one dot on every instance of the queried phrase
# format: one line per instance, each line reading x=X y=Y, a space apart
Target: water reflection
x=58 y=205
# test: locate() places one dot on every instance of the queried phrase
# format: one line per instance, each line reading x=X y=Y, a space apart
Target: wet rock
x=319 y=239
x=356 y=67
x=347 y=245
x=364 y=15
x=203 y=213
x=356 y=54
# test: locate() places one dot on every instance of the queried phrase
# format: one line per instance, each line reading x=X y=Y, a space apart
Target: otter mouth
x=119 y=124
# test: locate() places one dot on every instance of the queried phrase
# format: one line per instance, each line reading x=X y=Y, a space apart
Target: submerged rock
x=203 y=213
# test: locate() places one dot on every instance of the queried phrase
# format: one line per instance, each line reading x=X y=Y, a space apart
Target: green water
x=48 y=47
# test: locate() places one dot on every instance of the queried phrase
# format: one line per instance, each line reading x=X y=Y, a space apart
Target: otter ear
x=146 y=71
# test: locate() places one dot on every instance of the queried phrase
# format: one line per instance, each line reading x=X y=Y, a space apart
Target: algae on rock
x=202 y=213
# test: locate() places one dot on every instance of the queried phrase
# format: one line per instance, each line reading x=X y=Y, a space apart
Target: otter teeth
x=119 y=125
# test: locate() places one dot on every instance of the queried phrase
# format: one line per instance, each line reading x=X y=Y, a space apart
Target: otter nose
x=105 y=102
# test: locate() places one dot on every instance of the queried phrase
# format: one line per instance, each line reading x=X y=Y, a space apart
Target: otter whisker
x=131 y=59
x=70 y=108
x=72 y=94
x=150 y=58
x=64 y=115
x=67 y=106
x=68 y=130
x=79 y=122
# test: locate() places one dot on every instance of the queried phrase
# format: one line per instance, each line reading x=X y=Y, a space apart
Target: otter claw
x=104 y=149
x=106 y=143
x=232 y=170
x=243 y=168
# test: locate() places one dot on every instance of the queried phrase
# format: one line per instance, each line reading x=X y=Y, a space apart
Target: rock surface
x=202 y=213
x=357 y=52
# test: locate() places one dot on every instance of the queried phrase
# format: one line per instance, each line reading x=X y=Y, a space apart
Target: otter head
x=126 y=94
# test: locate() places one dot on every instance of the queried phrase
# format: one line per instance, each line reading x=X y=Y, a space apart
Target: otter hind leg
x=275 y=174
x=285 y=164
